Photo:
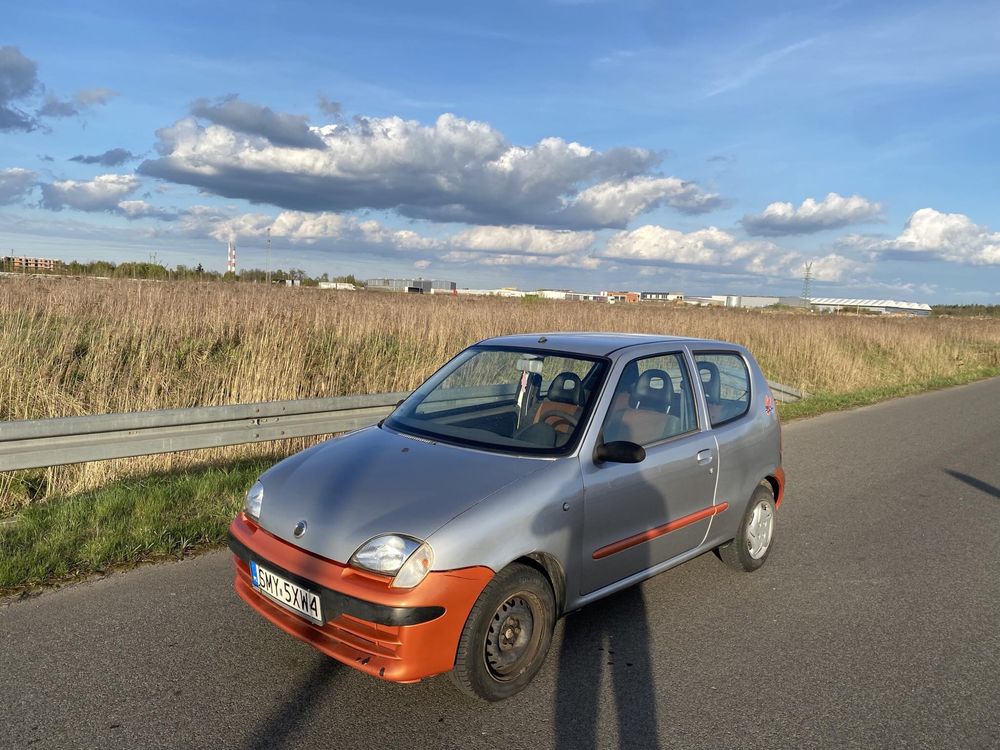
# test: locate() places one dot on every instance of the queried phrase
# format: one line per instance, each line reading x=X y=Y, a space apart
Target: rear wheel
x=507 y=635
x=755 y=538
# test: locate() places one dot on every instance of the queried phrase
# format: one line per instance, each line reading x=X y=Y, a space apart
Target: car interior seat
x=647 y=418
x=713 y=389
x=624 y=390
x=564 y=397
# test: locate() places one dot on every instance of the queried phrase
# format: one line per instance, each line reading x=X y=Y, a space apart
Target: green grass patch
x=819 y=403
x=124 y=523
x=169 y=516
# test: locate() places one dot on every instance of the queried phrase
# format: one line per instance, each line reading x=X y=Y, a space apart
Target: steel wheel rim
x=760 y=529
x=512 y=637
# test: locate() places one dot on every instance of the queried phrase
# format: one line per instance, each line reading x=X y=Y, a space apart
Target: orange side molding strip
x=666 y=528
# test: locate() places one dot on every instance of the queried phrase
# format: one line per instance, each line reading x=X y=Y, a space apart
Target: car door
x=639 y=515
x=727 y=386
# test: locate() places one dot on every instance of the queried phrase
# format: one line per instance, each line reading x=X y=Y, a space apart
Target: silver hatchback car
x=529 y=476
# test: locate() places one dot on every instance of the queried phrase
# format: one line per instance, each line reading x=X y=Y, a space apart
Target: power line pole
x=269 y=256
x=807 y=278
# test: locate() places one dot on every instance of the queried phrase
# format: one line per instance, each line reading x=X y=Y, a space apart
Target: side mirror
x=619 y=452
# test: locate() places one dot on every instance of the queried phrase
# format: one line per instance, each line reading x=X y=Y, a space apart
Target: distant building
x=880 y=306
x=413 y=286
x=748 y=301
x=24 y=263
x=586 y=297
x=553 y=293
x=342 y=285
x=630 y=298
x=757 y=300
x=505 y=292
x=717 y=300
x=661 y=296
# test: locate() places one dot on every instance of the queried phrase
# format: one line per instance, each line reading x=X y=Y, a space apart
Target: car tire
x=755 y=539
x=507 y=635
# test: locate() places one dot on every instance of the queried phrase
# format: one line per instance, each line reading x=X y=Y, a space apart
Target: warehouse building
x=629 y=298
x=880 y=306
x=661 y=296
x=413 y=286
x=746 y=301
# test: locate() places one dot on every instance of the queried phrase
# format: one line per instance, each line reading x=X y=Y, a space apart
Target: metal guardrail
x=53 y=442
x=785 y=394
x=37 y=443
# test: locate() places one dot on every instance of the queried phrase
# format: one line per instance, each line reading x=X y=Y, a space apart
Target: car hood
x=375 y=481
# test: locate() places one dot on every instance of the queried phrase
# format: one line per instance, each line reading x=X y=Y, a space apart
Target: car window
x=653 y=401
x=505 y=399
x=726 y=382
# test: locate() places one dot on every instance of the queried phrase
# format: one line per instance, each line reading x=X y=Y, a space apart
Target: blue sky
x=706 y=147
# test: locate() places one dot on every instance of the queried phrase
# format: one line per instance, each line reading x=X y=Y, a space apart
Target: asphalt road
x=875 y=623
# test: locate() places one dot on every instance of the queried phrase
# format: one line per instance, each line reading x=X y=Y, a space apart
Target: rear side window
x=726 y=382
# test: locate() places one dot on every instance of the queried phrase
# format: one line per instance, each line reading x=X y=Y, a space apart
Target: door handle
x=705 y=457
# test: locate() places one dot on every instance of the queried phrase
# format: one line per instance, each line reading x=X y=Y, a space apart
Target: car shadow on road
x=979 y=484
x=607 y=639
x=283 y=727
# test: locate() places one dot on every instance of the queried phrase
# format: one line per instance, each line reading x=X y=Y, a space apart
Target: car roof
x=589 y=344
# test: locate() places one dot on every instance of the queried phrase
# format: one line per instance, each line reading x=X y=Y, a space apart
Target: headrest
x=713 y=384
x=566 y=388
x=629 y=375
x=654 y=390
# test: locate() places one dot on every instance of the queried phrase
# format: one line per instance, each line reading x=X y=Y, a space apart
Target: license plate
x=286 y=593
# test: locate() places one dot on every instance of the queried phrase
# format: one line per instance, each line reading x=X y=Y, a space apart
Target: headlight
x=254 y=500
x=394 y=555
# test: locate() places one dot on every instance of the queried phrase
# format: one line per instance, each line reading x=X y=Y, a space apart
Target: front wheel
x=755 y=538
x=507 y=635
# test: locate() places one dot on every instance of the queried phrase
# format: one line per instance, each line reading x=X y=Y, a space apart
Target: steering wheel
x=555 y=419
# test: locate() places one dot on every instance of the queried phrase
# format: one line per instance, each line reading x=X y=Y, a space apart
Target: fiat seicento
x=530 y=476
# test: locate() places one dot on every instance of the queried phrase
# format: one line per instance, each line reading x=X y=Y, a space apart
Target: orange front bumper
x=400 y=653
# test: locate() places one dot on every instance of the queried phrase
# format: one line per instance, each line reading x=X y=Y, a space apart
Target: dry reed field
x=76 y=346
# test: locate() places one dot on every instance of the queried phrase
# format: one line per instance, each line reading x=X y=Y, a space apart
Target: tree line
x=159 y=272
x=967 y=311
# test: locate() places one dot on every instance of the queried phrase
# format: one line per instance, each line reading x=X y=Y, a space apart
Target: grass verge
x=170 y=516
x=819 y=403
x=157 y=517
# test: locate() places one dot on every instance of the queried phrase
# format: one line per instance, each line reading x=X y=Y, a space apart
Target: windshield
x=505 y=399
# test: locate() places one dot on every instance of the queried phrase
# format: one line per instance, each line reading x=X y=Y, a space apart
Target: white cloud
x=523 y=239
x=713 y=248
x=934 y=234
x=646 y=247
x=452 y=170
x=659 y=244
x=812 y=216
x=518 y=259
x=374 y=233
x=15 y=184
x=616 y=203
x=300 y=227
x=139 y=209
x=102 y=193
x=278 y=128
